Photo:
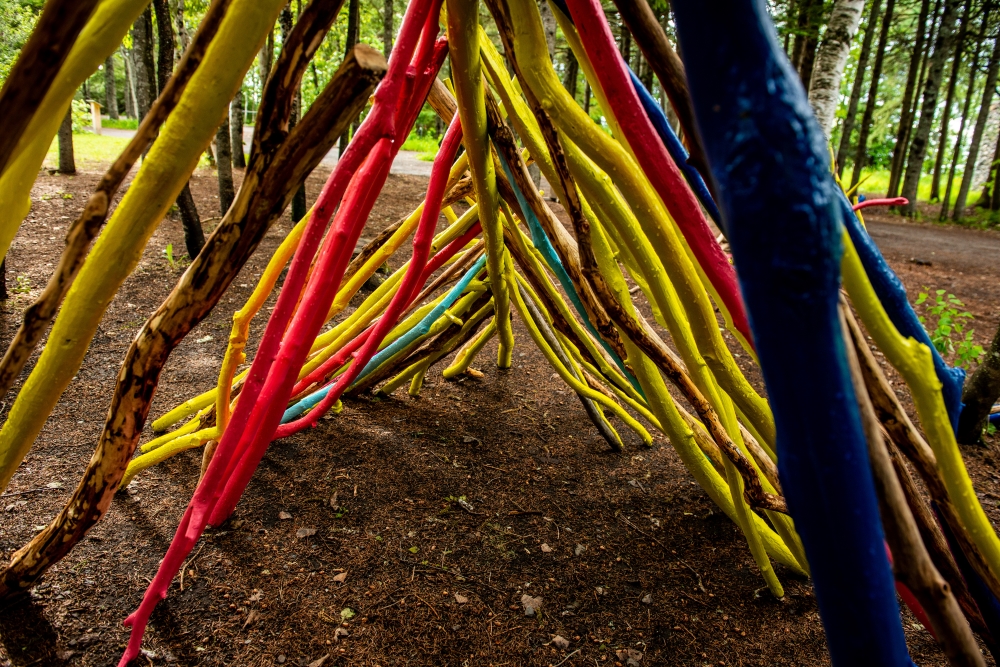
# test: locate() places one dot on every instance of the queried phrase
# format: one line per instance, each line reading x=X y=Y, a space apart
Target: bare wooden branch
x=38 y=315
x=36 y=68
x=905 y=435
x=266 y=192
x=911 y=562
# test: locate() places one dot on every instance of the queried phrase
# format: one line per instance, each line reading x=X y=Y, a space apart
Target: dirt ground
x=630 y=558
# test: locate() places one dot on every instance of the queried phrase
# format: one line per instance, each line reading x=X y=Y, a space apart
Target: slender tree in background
x=909 y=93
x=164 y=45
x=129 y=84
x=236 y=130
x=67 y=165
x=224 y=166
x=981 y=391
x=180 y=28
x=943 y=45
x=828 y=69
x=194 y=235
x=966 y=106
x=861 y=154
x=387 y=27
x=142 y=63
x=977 y=132
x=956 y=67
x=859 y=81
x=995 y=197
x=299 y=198
x=110 y=92
x=572 y=73
x=809 y=22
x=353 y=28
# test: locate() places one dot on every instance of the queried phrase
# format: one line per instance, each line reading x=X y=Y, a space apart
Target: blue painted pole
x=781 y=207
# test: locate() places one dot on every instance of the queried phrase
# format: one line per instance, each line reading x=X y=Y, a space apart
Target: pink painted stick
x=652 y=155
x=896 y=201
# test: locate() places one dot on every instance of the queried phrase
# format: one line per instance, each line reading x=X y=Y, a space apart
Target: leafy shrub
x=949 y=335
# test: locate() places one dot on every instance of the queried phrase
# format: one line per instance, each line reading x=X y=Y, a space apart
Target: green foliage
x=22 y=285
x=16 y=22
x=949 y=335
x=168 y=252
x=82 y=119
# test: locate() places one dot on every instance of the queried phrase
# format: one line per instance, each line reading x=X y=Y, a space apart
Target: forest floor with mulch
x=630 y=559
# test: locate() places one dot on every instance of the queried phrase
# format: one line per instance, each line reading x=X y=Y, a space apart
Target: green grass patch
x=121 y=123
x=877 y=184
x=426 y=144
x=90 y=150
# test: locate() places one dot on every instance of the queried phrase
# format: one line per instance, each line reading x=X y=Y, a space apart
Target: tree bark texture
x=180 y=27
x=859 y=81
x=164 y=45
x=236 y=131
x=67 y=165
x=956 y=67
x=353 y=28
x=194 y=234
x=110 y=91
x=918 y=146
x=224 y=166
x=981 y=391
x=142 y=63
x=977 y=133
x=828 y=70
x=129 y=83
x=549 y=27
x=277 y=167
x=906 y=117
x=861 y=153
x=388 y=32
x=966 y=106
x=572 y=73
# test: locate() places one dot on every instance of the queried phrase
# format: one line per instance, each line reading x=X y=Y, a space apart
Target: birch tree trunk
x=828 y=70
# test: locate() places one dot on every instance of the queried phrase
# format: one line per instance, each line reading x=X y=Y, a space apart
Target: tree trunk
x=995 y=198
x=264 y=59
x=859 y=81
x=110 y=91
x=809 y=50
x=353 y=26
x=224 y=166
x=828 y=70
x=981 y=392
x=164 y=45
x=180 y=28
x=586 y=98
x=67 y=165
x=299 y=198
x=861 y=154
x=905 y=118
x=970 y=91
x=956 y=66
x=129 y=84
x=194 y=235
x=977 y=133
x=4 y=295
x=236 y=130
x=387 y=27
x=572 y=73
x=549 y=27
x=918 y=146
x=142 y=63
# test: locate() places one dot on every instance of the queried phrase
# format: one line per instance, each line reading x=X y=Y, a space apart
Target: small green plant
x=22 y=285
x=169 y=253
x=950 y=335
